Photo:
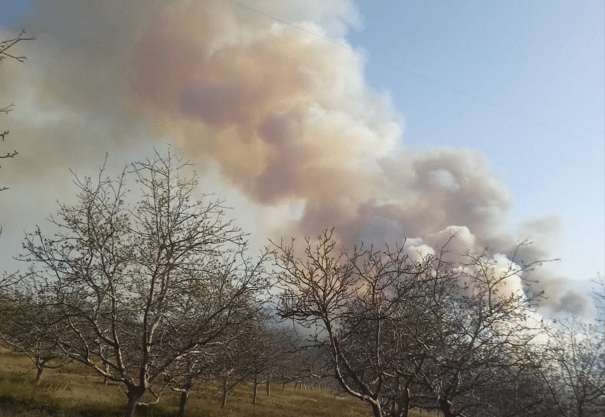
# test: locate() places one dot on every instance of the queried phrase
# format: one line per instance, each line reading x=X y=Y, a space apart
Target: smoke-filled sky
x=412 y=120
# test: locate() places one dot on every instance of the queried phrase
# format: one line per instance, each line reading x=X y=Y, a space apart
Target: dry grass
x=75 y=392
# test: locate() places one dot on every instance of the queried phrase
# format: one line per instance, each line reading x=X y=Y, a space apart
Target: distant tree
x=572 y=371
x=126 y=271
x=20 y=330
x=227 y=357
x=273 y=358
x=6 y=52
x=599 y=298
x=238 y=359
x=280 y=359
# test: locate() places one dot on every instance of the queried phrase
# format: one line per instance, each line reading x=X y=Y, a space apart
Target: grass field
x=75 y=392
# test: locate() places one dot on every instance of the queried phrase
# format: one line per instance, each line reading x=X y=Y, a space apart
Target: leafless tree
x=573 y=371
x=142 y=279
x=7 y=52
x=350 y=304
x=238 y=359
x=20 y=329
x=183 y=373
x=482 y=334
x=228 y=357
x=398 y=333
x=274 y=358
x=599 y=300
x=282 y=358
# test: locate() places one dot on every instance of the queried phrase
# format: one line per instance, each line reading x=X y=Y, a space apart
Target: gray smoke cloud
x=276 y=116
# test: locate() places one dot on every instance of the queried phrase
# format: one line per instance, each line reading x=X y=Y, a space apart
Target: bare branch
x=4 y=47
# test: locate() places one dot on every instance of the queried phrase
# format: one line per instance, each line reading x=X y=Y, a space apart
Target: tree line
x=153 y=287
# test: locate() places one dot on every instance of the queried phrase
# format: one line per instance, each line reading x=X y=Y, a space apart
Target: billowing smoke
x=275 y=115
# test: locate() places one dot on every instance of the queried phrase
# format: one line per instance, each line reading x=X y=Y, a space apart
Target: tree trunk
x=445 y=407
x=106 y=380
x=134 y=395
x=183 y=403
x=225 y=392
x=404 y=407
x=377 y=410
x=184 y=397
x=268 y=388
x=39 y=374
x=254 y=391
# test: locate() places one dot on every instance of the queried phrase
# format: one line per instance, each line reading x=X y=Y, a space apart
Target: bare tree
x=572 y=371
x=482 y=334
x=141 y=285
x=182 y=374
x=273 y=358
x=599 y=298
x=398 y=333
x=351 y=304
x=228 y=357
x=280 y=359
x=20 y=329
x=238 y=359
x=7 y=52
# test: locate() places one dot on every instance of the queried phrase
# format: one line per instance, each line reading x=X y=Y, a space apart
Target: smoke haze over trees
x=277 y=116
x=153 y=288
x=416 y=294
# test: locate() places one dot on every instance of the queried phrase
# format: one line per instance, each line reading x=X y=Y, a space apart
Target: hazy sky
x=406 y=119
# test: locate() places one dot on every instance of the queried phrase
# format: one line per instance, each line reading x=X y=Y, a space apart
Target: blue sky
x=520 y=81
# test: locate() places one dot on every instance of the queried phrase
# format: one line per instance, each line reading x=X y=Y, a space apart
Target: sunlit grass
x=75 y=392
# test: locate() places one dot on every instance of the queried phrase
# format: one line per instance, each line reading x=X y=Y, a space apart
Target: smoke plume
x=270 y=102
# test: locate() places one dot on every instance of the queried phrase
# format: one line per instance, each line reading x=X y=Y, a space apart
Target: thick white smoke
x=270 y=102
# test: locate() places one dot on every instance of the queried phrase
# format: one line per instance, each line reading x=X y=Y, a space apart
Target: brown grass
x=74 y=392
